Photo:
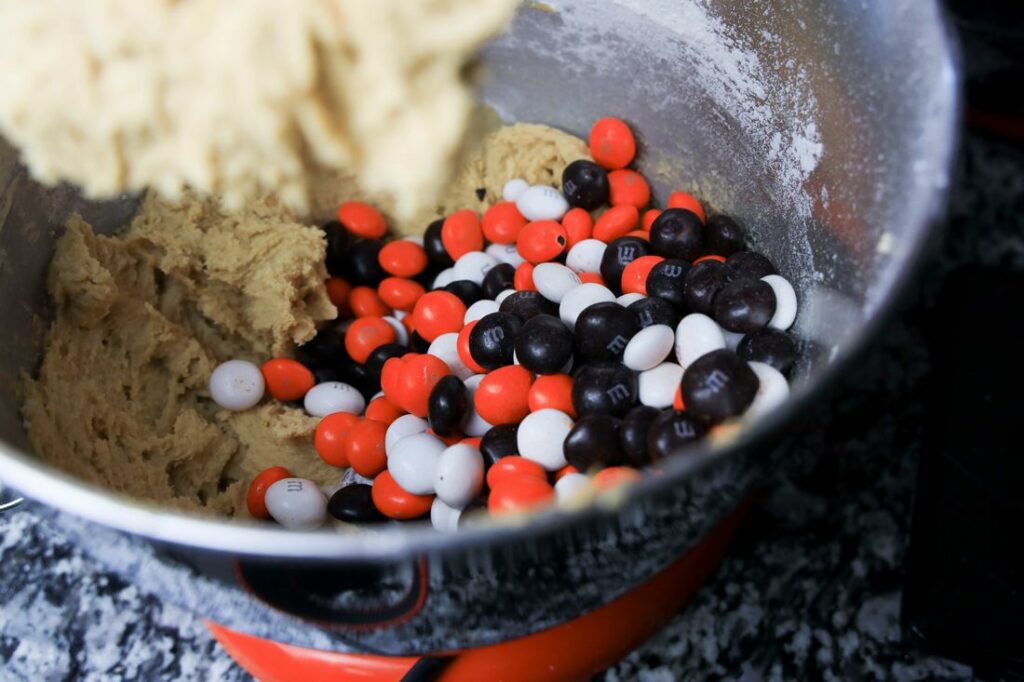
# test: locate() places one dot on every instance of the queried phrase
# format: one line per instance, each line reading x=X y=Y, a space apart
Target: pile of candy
x=554 y=346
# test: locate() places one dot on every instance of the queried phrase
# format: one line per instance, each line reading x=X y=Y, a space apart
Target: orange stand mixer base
x=574 y=650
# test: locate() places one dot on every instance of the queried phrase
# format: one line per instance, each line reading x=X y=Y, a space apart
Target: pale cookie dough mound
x=121 y=396
x=537 y=153
x=241 y=97
x=256 y=273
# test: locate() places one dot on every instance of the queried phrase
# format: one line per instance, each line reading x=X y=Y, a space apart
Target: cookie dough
x=242 y=97
x=142 y=319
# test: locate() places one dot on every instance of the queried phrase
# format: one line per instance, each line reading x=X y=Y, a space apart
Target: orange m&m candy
x=650 y=215
x=338 y=290
x=514 y=465
x=417 y=378
x=395 y=503
x=616 y=222
x=362 y=219
x=389 y=374
x=400 y=293
x=612 y=143
x=628 y=187
x=503 y=395
x=331 y=437
x=578 y=226
x=720 y=259
x=613 y=477
x=255 y=498
x=592 y=278
x=461 y=233
x=522 y=280
x=402 y=258
x=541 y=241
x=383 y=410
x=447 y=440
x=519 y=494
x=567 y=469
x=634 y=277
x=436 y=313
x=554 y=391
x=687 y=201
x=286 y=379
x=364 y=447
x=365 y=302
x=502 y=223
x=462 y=347
x=365 y=335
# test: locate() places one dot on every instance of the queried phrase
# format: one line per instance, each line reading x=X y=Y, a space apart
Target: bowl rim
x=21 y=471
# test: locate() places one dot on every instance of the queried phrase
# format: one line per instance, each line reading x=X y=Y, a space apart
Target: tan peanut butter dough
x=142 y=319
x=242 y=98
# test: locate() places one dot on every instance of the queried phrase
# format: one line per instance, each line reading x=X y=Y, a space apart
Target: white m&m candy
x=333 y=396
x=554 y=281
x=474 y=266
x=444 y=517
x=541 y=202
x=514 y=188
x=460 y=475
x=649 y=347
x=772 y=389
x=697 y=335
x=236 y=385
x=657 y=387
x=541 y=435
x=296 y=503
x=506 y=253
x=413 y=463
x=785 y=302
x=406 y=425
x=586 y=256
x=580 y=298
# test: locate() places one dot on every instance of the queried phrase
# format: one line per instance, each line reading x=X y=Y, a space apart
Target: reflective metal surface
x=826 y=127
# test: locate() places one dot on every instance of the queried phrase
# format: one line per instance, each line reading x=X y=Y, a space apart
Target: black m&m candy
x=354 y=504
x=498 y=279
x=544 y=345
x=620 y=253
x=749 y=265
x=604 y=388
x=670 y=432
x=678 y=233
x=770 y=346
x=635 y=427
x=603 y=330
x=434 y=247
x=493 y=340
x=594 y=442
x=718 y=385
x=702 y=284
x=447 y=405
x=526 y=304
x=499 y=441
x=654 y=310
x=745 y=306
x=724 y=237
x=585 y=184
x=666 y=280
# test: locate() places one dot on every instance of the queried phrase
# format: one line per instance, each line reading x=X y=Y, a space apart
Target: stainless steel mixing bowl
x=827 y=127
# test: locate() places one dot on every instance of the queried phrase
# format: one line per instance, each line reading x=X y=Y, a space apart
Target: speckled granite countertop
x=810 y=589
